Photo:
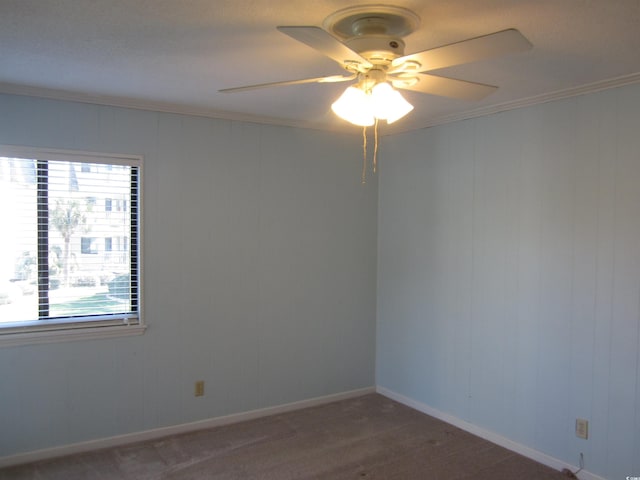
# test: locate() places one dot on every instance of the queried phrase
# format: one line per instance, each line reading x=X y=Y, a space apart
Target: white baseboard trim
x=156 y=433
x=487 y=434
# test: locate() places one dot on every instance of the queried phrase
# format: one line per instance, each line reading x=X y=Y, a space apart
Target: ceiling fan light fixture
x=354 y=106
x=388 y=103
x=362 y=108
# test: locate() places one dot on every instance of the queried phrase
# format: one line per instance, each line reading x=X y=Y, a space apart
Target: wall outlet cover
x=582 y=428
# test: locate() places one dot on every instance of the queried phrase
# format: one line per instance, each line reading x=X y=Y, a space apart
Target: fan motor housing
x=378 y=49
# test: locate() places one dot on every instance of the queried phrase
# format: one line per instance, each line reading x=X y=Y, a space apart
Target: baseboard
x=146 y=435
x=487 y=434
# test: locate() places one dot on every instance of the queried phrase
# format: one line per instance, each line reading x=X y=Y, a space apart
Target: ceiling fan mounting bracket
x=373 y=31
x=386 y=20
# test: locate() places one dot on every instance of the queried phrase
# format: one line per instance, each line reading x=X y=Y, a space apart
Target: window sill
x=57 y=336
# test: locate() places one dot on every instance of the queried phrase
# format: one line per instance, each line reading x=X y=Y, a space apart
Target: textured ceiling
x=174 y=56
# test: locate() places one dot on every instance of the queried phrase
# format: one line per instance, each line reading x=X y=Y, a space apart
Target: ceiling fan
x=367 y=42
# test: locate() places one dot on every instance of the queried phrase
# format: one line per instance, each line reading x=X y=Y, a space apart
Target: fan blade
x=444 y=87
x=327 y=44
x=331 y=79
x=466 y=51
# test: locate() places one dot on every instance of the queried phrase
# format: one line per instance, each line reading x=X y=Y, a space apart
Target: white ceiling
x=174 y=55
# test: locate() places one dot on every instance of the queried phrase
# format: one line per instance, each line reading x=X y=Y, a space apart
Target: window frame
x=99 y=326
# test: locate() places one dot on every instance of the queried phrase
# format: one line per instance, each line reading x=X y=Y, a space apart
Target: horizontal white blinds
x=72 y=253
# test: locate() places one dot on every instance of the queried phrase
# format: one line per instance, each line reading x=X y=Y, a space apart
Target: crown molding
x=529 y=101
x=166 y=107
x=154 y=106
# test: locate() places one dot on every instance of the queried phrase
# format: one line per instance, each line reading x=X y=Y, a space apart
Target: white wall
x=509 y=275
x=260 y=268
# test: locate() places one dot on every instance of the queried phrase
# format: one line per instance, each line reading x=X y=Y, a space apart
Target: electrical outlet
x=199 y=389
x=582 y=428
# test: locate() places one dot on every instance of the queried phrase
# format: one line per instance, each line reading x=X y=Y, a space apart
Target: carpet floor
x=364 y=438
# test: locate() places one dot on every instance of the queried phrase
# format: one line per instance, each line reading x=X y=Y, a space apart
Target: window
x=59 y=275
x=89 y=245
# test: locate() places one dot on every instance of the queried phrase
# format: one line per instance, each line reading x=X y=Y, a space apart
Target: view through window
x=69 y=247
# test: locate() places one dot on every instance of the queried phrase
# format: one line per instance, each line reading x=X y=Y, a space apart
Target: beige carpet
x=369 y=437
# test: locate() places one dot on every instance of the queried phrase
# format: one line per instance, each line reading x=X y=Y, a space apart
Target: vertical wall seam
x=473 y=259
x=613 y=276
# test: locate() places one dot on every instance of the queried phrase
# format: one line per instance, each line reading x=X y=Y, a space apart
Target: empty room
x=320 y=240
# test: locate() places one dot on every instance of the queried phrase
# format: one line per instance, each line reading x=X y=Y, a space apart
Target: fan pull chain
x=364 y=155
x=375 y=147
x=364 y=151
